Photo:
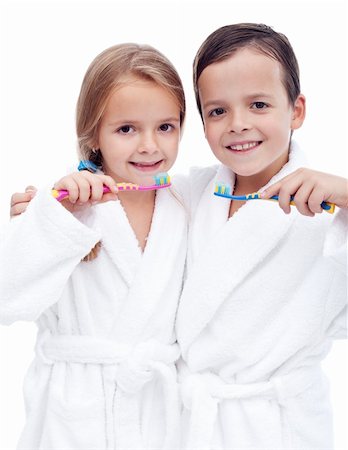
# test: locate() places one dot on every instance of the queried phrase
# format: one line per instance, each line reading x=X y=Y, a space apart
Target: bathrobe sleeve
x=38 y=252
x=335 y=251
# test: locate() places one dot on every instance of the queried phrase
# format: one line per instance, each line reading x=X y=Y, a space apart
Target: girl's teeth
x=145 y=164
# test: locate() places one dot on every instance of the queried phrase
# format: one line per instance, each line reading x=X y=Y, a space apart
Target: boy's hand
x=21 y=200
x=309 y=188
x=85 y=189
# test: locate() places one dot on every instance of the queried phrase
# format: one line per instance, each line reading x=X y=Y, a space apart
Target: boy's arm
x=21 y=200
x=38 y=253
x=310 y=188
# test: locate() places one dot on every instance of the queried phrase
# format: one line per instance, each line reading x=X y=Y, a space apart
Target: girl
x=266 y=293
x=104 y=375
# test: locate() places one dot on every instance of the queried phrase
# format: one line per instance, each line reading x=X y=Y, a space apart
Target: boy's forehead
x=243 y=65
x=246 y=73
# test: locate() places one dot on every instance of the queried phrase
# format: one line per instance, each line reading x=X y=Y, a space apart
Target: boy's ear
x=299 y=112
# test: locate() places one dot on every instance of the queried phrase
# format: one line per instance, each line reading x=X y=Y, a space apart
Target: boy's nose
x=238 y=122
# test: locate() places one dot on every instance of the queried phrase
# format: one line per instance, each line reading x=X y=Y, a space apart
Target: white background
x=45 y=50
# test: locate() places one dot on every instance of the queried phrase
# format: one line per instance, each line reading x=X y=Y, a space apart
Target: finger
x=301 y=199
x=284 y=198
x=315 y=200
x=69 y=184
x=18 y=209
x=288 y=183
x=271 y=191
x=84 y=187
x=96 y=190
x=110 y=183
x=31 y=189
x=20 y=197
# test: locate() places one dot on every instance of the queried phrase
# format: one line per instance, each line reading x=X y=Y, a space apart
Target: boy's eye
x=216 y=112
x=259 y=105
x=126 y=129
x=166 y=127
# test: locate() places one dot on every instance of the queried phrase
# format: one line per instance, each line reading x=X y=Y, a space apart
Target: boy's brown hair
x=225 y=41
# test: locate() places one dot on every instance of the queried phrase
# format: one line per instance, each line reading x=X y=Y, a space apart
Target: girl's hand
x=309 y=188
x=21 y=200
x=85 y=189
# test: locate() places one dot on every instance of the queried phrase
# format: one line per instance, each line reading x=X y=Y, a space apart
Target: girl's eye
x=216 y=112
x=259 y=105
x=126 y=129
x=166 y=127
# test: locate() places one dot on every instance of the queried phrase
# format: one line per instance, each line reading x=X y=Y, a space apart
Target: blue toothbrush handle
x=327 y=206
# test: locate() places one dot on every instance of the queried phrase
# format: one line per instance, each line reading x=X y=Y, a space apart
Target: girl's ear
x=299 y=112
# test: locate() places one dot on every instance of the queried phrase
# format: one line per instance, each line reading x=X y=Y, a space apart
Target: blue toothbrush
x=224 y=190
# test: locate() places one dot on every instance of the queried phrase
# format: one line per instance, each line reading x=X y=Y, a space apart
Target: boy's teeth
x=246 y=146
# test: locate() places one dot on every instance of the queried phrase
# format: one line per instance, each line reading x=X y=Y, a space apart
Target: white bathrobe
x=104 y=373
x=265 y=295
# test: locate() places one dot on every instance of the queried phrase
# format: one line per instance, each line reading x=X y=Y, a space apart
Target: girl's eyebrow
x=135 y=122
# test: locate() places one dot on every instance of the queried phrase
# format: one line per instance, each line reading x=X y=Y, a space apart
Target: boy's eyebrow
x=260 y=94
x=249 y=97
x=213 y=102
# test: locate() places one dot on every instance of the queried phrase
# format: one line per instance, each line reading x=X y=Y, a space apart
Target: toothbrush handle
x=327 y=206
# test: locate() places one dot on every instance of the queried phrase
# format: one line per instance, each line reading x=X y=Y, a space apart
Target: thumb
x=270 y=191
x=31 y=190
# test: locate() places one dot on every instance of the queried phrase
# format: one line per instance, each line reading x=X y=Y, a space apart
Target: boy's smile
x=247 y=115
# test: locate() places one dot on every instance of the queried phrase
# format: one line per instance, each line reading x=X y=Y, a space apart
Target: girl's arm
x=309 y=188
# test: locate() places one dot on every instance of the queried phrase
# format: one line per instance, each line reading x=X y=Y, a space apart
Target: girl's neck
x=139 y=207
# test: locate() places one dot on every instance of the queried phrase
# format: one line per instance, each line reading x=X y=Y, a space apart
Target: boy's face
x=139 y=132
x=247 y=115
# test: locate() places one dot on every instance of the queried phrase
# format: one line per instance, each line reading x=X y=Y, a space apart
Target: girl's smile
x=139 y=132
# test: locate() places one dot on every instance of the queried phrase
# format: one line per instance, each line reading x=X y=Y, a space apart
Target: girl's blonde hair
x=107 y=72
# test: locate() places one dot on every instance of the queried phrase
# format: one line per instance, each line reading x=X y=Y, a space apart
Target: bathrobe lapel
x=220 y=247
x=163 y=254
x=118 y=239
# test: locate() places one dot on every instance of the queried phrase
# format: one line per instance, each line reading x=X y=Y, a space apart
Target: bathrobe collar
x=166 y=242
x=224 y=252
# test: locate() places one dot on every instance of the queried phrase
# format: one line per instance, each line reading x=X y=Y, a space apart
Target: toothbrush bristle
x=162 y=179
x=222 y=189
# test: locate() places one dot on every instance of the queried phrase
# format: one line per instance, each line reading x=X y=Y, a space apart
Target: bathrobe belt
x=202 y=392
x=125 y=371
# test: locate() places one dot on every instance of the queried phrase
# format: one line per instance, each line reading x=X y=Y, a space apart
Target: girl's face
x=139 y=132
x=247 y=115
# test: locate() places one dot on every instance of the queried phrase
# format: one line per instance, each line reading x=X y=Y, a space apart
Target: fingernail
x=115 y=189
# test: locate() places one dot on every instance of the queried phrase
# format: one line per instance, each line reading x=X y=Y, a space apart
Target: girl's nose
x=148 y=144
